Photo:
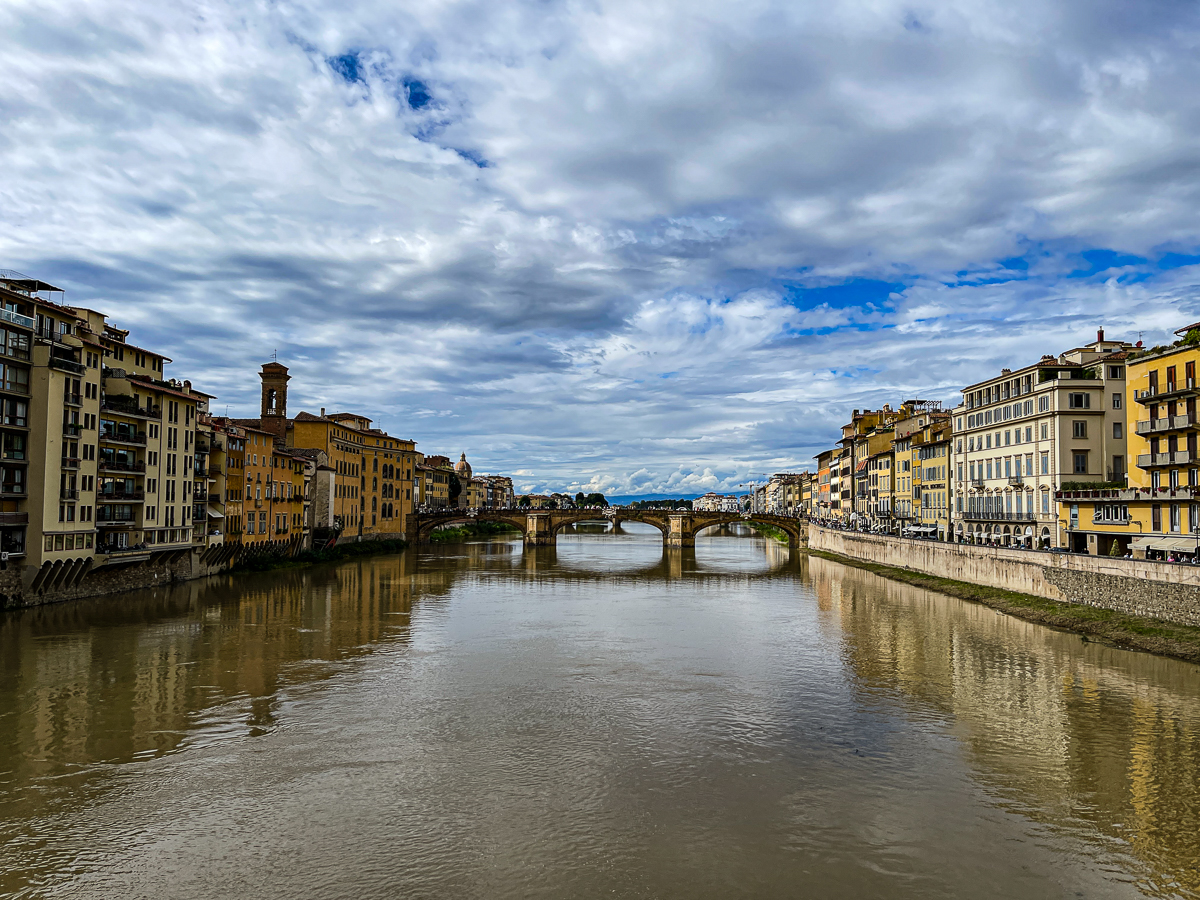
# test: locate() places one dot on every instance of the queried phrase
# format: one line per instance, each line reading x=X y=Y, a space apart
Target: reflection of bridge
x=541 y=526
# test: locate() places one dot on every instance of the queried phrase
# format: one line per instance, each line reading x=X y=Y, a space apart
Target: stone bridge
x=540 y=527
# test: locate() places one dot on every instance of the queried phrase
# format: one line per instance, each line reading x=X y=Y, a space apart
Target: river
x=599 y=719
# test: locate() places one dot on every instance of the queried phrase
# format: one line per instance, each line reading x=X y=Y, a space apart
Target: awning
x=1142 y=543
x=1165 y=544
x=214 y=513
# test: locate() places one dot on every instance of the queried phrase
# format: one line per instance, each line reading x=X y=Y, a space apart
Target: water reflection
x=1096 y=741
x=603 y=717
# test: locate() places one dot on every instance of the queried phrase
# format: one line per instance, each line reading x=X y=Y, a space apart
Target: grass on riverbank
x=460 y=533
x=1129 y=632
x=770 y=531
x=336 y=553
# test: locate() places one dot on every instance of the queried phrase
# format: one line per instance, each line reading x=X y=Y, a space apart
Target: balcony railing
x=1170 y=458
x=109 y=515
x=1171 y=387
x=124 y=437
x=199 y=495
x=214 y=470
x=128 y=408
x=72 y=429
x=1165 y=423
x=1100 y=520
x=977 y=516
x=1015 y=480
x=977 y=483
x=68 y=494
x=73 y=400
x=117 y=465
x=70 y=462
x=14 y=318
x=120 y=496
x=67 y=365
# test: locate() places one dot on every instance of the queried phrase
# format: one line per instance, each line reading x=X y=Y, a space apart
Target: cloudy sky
x=637 y=247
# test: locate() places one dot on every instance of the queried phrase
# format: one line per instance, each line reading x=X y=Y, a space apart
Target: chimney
x=1100 y=336
x=322 y=412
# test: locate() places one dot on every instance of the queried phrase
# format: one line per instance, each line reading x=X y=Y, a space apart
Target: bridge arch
x=428 y=523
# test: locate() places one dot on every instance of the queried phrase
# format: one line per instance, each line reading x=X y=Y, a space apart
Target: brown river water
x=599 y=719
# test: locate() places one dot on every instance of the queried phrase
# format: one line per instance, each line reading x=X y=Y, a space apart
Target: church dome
x=462 y=467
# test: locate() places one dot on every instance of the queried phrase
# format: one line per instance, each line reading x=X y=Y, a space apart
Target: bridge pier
x=681 y=532
x=539 y=530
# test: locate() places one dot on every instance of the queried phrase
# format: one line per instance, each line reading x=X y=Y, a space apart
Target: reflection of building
x=1039 y=715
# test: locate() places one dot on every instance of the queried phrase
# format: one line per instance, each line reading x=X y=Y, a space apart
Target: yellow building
x=371 y=488
x=1156 y=515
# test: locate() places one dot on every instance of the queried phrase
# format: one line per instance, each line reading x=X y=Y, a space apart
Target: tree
x=580 y=499
x=523 y=500
x=455 y=489
x=595 y=500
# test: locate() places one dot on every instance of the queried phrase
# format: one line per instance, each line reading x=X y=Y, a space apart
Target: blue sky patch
x=348 y=65
x=417 y=93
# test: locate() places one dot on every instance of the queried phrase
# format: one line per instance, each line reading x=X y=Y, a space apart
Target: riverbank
x=770 y=531
x=1120 y=629
x=336 y=553
x=460 y=533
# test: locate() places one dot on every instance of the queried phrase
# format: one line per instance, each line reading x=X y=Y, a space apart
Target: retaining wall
x=1133 y=586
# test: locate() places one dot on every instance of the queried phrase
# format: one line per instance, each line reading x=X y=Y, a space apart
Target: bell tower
x=273 y=416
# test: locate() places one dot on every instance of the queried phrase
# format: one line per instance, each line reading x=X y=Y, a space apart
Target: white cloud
x=584 y=257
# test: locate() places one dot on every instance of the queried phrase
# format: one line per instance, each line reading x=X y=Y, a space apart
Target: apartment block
x=1023 y=435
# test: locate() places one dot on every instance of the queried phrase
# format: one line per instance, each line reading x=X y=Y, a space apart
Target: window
x=1043 y=403
x=1045 y=501
x=1079 y=401
x=1118 y=371
x=1116 y=401
x=1118 y=431
x=1081 y=462
x=1079 y=429
x=1175 y=517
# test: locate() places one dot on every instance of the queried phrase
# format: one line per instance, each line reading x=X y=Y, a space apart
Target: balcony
x=72 y=429
x=117 y=465
x=118 y=436
x=12 y=492
x=122 y=407
x=13 y=318
x=68 y=494
x=1100 y=520
x=214 y=471
x=70 y=462
x=1166 y=423
x=1171 y=458
x=1016 y=480
x=137 y=495
x=199 y=495
x=999 y=516
x=202 y=446
x=67 y=365
x=14 y=518
x=109 y=517
x=73 y=399
x=977 y=483
x=1172 y=389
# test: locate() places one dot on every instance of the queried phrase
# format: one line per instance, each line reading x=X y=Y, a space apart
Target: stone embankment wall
x=1133 y=586
x=19 y=588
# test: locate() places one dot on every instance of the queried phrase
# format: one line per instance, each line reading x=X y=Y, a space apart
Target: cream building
x=1024 y=434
